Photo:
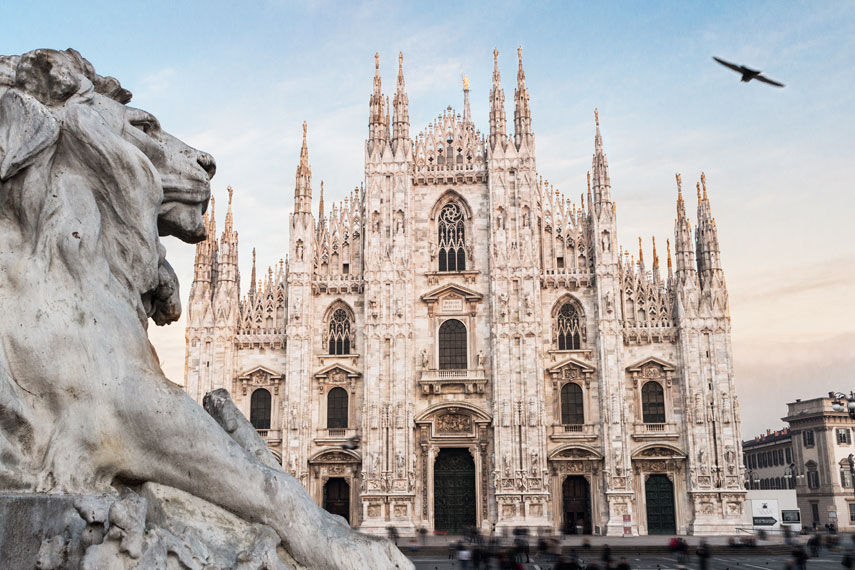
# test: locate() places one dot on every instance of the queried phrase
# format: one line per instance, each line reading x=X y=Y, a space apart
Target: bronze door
x=454 y=490
x=337 y=497
x=659 y=492
x=576 y=494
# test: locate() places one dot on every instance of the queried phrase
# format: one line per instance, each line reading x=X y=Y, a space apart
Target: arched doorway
x=659 y=495
x=454 y=490
x=576 y=494
x=337 y=497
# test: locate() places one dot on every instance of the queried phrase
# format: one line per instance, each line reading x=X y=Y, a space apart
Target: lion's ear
x=26 y=129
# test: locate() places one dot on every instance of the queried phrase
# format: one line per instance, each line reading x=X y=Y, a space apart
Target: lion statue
x=87 y=186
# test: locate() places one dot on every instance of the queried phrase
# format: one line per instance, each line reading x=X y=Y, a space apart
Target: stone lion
x=87 y=186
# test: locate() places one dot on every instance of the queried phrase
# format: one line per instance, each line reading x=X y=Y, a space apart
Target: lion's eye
x=145 y=125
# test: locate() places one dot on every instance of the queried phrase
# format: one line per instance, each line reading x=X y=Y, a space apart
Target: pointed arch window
x=340 y=332
x=259 y=409
x=452 y=346
x=569 y=328
x=572 y=405
x=337 y=408
x=653 y=403
x=451 y=239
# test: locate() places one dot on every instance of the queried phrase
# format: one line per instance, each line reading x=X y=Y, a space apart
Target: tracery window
x=451 y=241
x=653 y=403
x=452 y=346
x=340 y=332
x=337 y=408
x=569 y=328
x=259 y=409
x=572 y=406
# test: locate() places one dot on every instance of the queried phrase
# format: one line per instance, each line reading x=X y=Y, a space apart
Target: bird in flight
x=748 y=74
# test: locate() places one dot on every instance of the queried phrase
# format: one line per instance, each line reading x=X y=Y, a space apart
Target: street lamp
x=843 y=403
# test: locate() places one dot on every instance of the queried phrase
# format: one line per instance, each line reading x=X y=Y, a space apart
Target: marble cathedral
x=502 y=360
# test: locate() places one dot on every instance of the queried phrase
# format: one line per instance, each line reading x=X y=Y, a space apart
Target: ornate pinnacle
x=704 y=184
x=231 y=191
x=698 y=187
x=400 y=61
x=668 y=244
x=495 y=60
x=679 y=183
x=596 y=117
x=377 y=62
x=465 y=83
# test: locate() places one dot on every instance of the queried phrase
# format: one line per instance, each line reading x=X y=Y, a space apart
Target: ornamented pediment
x=259 y=377
x=335 y=456
x=452 y=290
x=575 y=453
x=450 y=413
x=571 y=369
x=650 y=367
x=659 y=452
x=337 y=374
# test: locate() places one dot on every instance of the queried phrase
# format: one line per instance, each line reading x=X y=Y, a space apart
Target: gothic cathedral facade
x=500 y=358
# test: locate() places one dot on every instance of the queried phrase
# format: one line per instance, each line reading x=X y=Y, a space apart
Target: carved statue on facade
x=424 y=358
x=88 y=185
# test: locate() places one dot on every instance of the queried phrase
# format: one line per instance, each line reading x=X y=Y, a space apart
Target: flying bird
x=748 y=74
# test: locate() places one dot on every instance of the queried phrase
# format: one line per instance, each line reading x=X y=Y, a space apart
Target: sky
x=237 y=79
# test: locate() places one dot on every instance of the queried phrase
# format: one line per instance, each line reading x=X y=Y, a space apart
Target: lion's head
x=74 y=156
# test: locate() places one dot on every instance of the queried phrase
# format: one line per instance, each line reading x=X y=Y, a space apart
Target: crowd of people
x=475 y=552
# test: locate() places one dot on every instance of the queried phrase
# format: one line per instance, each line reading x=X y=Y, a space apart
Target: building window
x=845 y=476
x=852 y=512
x=451 y=239
x=572 y=407
x=789 y=455
x=814 y=512
x=339 y=332
x=807 y=438
x=653 y=403
x=844 y=436
x=813 y=479
x=259 y=409
x=452 y=346
x=337 y=408
x=569 y=328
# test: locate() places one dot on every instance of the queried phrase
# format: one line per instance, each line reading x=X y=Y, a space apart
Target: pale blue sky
x=238 y=78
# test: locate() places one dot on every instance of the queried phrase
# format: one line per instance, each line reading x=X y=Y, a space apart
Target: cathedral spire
x=497 y=105
x=303 y=186
x=670 y=267
x=377 y=115
x=683 y=235
x=401 y=130
x=656 y=276
x=522 y=112
x=706 y=236
x=321 y=205
x=467 y=112
x=640 y=257
x=252 y=277
x=600 y=166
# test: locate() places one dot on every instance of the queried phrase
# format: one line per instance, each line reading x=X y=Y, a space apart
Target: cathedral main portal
x=576 y=495
x=454 y=496
x=659 y=493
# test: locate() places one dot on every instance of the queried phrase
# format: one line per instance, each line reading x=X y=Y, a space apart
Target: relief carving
x=454 y=423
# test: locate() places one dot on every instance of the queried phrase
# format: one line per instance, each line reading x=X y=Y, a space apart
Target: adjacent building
x=768 y=461
x=503 y=360
x=822 y=447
